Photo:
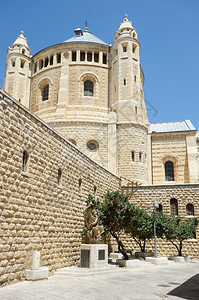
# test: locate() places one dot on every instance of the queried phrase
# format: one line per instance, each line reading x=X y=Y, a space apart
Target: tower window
x=140 y=157
x=13 y=63
x=58 y=58
x=41 y=64
x=46 y=62
x=190 y=210
x=24 y=161
x=132 y=156
x=23 y=51
x=124 y=81
x=45 y=92
x=124 y=48
x=22 y=63
x=51 y=60
x=96 y=57
x=104 y=58
x=89 y=56
x=135 y=78
x=169 y=171
x=82 y=56
x=74 y=55
x=88 y=88
x=59 y=177
x=136 y=110
x=134 y=48
x=35 y=68
x=174 y=207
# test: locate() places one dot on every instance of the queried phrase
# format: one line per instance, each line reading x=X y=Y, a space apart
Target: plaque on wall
x=101 y=255
x=85 y=258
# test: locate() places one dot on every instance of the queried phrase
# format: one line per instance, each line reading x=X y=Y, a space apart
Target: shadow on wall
x=188 y=290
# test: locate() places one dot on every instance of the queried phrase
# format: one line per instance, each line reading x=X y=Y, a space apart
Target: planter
x=130 y=263
x=158 y=261
x=182 y=259
x=143 y=255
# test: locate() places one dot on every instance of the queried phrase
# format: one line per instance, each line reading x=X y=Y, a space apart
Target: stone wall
x=36 y=211
x=133 y=138
x=184 y=194
x=170 y=147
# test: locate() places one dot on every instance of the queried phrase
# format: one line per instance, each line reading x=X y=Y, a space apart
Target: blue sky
x=168 y=31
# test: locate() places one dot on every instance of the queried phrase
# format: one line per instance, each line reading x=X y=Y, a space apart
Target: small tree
x=141 y=226
x=176 y=231
x=114 y=214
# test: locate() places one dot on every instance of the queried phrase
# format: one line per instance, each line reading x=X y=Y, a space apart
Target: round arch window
x=92 y=145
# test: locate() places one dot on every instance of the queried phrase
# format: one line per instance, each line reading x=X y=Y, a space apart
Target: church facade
x=91 y=94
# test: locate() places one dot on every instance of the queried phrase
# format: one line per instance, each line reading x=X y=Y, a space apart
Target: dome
x=85 y=37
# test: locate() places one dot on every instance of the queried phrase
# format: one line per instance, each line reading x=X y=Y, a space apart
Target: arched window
x=169 y=171
x=88 y=88
x=174 y=207
x=24 y=161
x=45 y=92
x=190 y=209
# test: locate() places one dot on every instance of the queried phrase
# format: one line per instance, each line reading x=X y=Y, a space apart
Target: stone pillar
x=192 y=157
x=112 y=142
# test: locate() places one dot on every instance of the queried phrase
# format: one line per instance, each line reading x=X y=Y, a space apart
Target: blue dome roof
x=86 y=37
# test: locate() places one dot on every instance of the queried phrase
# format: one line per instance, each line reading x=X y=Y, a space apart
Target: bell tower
x=127 y=78
x=18 y=70
x=128 y=118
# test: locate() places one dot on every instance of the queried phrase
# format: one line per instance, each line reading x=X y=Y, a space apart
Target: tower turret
x=127 y=101
x=18 y=70
x=127 y=76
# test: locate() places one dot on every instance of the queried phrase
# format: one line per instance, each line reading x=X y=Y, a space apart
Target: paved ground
x=148 y=282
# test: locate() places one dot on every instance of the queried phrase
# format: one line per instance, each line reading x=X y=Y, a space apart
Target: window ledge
x=190 y=216
x=25 y=174
x=192 y=240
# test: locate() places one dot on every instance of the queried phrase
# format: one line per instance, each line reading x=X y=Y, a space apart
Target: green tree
x=114 y=213
x=176 y=230
x=141 y=226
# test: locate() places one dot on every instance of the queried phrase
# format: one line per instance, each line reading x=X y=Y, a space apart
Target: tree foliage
x=114 y=214
x=176 y=230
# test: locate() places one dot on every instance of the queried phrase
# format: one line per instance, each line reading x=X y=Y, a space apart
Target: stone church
x=74 y=121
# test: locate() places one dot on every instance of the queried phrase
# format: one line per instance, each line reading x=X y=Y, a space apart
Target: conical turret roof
x=21 y=40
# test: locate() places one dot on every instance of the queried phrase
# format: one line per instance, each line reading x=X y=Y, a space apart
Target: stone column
x=112 y=142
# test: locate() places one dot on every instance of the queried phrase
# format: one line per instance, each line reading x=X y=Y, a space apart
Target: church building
x=88 y=96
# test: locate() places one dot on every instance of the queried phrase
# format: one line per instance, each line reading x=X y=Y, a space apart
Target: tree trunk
x=180 y=249
x=120 y=245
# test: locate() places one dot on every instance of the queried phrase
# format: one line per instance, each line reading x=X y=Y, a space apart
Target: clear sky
x=168 y=31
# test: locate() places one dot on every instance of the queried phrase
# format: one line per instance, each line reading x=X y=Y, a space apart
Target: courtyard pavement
x=174 y=281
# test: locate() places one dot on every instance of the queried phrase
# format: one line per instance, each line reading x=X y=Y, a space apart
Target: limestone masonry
x=74 y=122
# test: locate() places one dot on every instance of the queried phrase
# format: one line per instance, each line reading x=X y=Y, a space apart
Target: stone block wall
x=133 y=138
x=36 y=211
x=170 y=147
x=184 y=194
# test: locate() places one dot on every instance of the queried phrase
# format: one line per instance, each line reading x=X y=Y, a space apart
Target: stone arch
x=174 y=159
x=90 y=77
x=41 y=85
